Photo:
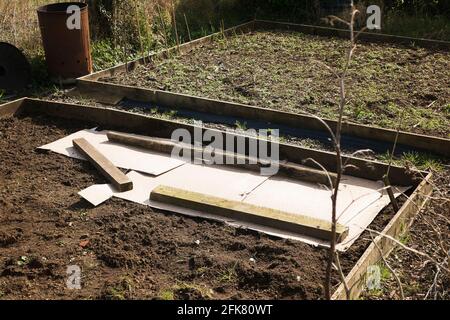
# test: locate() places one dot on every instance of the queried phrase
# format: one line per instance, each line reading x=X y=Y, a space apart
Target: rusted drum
x=65 y=35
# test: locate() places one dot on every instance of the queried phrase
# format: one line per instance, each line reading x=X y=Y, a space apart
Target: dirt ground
x=285 y=71
x=128 y=251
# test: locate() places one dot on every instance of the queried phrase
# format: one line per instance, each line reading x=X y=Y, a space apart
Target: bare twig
x=337 y=146
x=175 y=25
x=187 y=27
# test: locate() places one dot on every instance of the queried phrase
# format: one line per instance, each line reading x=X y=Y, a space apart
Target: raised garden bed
x=279 y=66
x=131 y=246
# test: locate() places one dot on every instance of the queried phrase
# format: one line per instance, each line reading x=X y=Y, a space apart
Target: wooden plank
x=118 y=179
x=437 y=145
x=11 y=108
x=290 y=169
x=345 y=33
x=112 y=98
x=146 y=125
x=398 y=225
x=240 y=211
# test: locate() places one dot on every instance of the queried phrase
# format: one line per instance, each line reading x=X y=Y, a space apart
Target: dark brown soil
x=128 y=251
x=285 y=71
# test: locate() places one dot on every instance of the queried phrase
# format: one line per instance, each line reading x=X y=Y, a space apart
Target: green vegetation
x=167 y=294
x=419 y=160
x=244 y=70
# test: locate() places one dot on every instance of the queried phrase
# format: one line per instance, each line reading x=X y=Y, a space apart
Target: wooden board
x=183 y=48
x=95 y=89
x=146 y=125
x=240 y=211
x=118 y=179
x=345 y=33
x=290 y=169
x=11 y=108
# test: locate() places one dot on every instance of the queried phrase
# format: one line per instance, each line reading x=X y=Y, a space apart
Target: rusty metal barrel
x=65 y=36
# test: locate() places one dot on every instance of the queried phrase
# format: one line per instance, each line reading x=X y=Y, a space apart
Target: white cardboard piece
x=121 y=156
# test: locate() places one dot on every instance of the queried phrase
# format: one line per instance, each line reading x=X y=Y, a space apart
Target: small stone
x=252 y=260
x=197 y=242
x=84 y=243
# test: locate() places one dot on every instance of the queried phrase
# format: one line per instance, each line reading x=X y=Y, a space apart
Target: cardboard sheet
x=359 y=200
x=121 y=156
x=97 y=194
x=219 y=181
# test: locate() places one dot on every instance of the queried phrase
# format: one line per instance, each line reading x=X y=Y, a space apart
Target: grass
x=419 y=160
x=170 y=293
x=229 y=274
x=167 y=294
x=119 y=290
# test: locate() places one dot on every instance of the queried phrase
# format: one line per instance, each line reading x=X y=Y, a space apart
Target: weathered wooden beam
x=139 y=124
x=183 y=48
x=290 y=169
x=118 y=179
x=345 y=33
x=102 y=90
x=244 y=212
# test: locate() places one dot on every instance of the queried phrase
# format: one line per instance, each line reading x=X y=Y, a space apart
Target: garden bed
x=131 y=250
x=284 y=70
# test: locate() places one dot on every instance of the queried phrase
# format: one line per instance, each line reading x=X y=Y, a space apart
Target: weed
x=167 y=295
x=241 y=125
x=229 y=274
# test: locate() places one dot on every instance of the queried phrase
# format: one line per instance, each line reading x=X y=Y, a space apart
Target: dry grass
x=19 y=23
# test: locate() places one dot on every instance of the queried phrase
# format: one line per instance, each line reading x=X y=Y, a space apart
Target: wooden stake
x=187 y=27
x=390 y=193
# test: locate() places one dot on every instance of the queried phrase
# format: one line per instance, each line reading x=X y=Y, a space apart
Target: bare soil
x=285 y=71
x=128 y=251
